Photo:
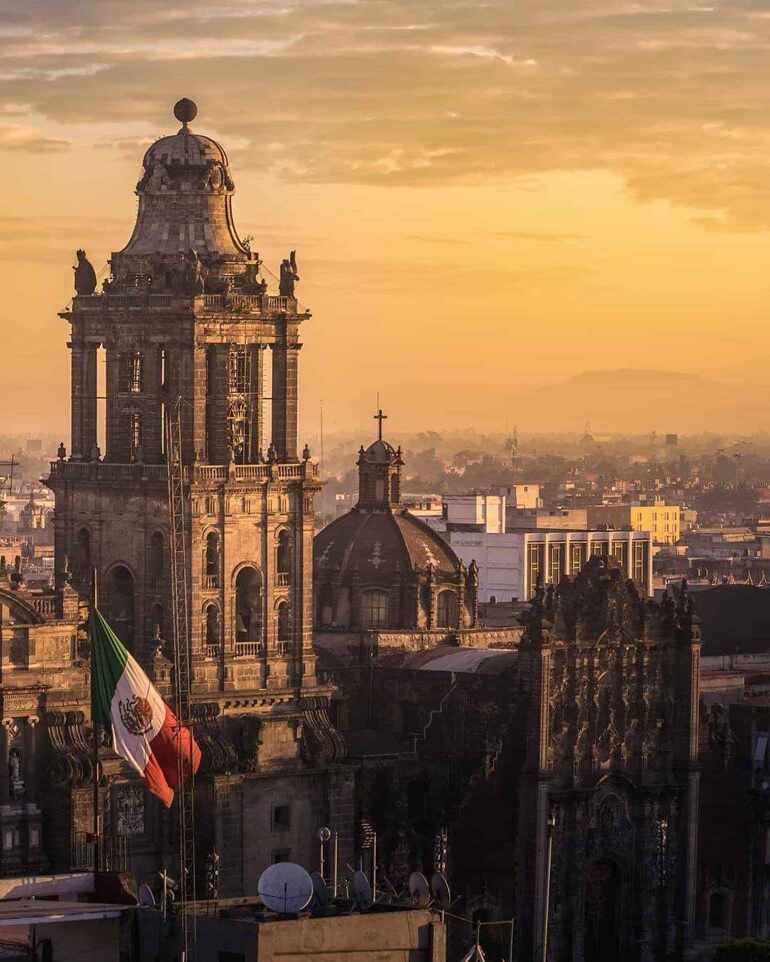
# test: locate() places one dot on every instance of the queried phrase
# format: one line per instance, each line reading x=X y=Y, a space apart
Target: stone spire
x=185 y=204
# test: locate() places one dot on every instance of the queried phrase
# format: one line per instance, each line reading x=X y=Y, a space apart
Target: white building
x=510 y=563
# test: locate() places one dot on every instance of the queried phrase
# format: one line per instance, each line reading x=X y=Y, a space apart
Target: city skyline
x=484 y=201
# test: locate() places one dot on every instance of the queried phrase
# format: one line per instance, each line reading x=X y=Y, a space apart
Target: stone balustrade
x=255 y=304
x=219 y=473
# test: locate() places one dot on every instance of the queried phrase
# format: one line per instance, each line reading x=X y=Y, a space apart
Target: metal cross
x=379 y=416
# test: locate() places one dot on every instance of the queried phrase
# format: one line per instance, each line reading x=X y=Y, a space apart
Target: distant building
x=510 y=563
x=523 y=495
x=563 y=518
x=660 y=520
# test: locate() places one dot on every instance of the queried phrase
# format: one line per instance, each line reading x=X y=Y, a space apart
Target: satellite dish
x=285 y=888
x=362 y=891
x=146 y=896
x=440 y=890
x=320 y=890
x=419 y=890
x=324 y=834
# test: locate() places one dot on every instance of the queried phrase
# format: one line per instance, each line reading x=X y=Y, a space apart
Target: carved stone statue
x=85 y=275
x=289 y=275
x=61 y=451
x=14 y=773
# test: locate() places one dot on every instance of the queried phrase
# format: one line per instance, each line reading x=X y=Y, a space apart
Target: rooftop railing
x=219 y=473
x=231 y=303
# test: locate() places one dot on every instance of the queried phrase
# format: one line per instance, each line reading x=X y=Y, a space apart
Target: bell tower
x=185 y=323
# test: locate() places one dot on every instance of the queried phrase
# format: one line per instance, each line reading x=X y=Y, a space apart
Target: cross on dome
x=379 y=416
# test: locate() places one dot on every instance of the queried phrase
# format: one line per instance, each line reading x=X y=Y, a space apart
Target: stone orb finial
x=185 y=110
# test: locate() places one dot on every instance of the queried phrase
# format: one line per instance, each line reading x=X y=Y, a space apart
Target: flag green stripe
x=108 y=662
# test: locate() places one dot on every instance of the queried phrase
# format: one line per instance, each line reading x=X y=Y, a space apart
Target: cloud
x=545 y=236
x=16 y=137
x=666 y=94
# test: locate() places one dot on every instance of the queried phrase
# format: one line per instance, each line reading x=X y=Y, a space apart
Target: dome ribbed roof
x=378 y=545
x=185 y=147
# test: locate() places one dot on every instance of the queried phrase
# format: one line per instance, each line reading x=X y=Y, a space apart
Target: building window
x=535 y=566
x=284 y=630
x=84 y=555
x=620 y=551
x=446 y=610
x=281 y=817
x=640 y=563
x=577 y=558
x=134 y=437
x=156 y=622
x=283 y=558
x=600 y=548
x=132 y=372
x=555 y=568
x=212 y=560
x=212 y=625
x=248 y=605
x=375 y=611
x=120 y=603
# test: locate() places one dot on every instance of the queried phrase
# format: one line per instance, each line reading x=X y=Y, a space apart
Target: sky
x=486 y=198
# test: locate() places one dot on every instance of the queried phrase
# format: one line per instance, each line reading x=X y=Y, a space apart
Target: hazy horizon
x=485 y=202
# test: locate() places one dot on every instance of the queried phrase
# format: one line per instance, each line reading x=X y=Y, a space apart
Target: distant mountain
x=630 y=399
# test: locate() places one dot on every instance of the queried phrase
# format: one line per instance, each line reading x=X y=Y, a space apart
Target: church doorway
x=120 y=603
x=602 y=912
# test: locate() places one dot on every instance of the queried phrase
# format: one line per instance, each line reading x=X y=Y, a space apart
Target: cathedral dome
x=187 y=148
x=380 y=452
x=377 y=546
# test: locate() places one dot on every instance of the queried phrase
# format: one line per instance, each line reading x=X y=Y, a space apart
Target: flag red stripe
x=162 y=773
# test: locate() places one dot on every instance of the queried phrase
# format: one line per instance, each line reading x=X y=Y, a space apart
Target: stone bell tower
x=185 y=325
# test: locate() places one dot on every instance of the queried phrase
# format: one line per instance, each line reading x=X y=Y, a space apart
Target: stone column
x=83 y=400
x=10 y=730
x=285 y=366
x=30 y=757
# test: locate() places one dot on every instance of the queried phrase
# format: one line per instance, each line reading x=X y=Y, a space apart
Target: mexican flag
x=144 y=729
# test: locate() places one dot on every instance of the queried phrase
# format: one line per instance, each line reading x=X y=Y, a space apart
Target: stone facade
x=588 y=722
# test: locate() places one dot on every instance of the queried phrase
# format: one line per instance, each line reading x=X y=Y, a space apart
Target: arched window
x=136 y=373
x=156 y=557
x=375 y=609
x=283 y=561
x=212 y=626
x=212 y=560
x=446 y=610
x=248 y=605
x=284 y=628
x=83 y=555
x=120 y=603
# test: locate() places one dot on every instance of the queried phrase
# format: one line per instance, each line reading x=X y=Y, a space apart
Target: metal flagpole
x=95 y=725
x=549 y=857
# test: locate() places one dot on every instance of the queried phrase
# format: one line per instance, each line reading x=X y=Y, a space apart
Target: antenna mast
x=181 y=640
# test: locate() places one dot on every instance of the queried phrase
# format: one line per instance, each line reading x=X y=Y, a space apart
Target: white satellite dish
x=440 y=890
x=285 y=888
x=146 y=896
x=362 y=891
x=320 y=890
x=419 y=890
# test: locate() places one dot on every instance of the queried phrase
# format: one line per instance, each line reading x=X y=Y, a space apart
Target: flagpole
x=95 y=725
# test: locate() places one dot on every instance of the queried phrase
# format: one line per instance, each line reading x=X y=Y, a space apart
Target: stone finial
x=185 y=111
x=61 y=451
x=306 y=453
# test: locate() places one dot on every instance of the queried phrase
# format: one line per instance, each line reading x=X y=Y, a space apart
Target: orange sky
x=484 y=198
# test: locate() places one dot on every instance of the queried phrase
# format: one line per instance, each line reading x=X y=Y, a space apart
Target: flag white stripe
x=132 y=684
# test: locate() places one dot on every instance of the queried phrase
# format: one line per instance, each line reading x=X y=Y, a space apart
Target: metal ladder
x=182 y=670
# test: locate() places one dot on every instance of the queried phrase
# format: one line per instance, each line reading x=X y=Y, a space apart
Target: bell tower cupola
x=379 y=473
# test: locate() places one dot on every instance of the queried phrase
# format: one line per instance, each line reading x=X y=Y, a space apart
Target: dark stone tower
x=187 y=326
